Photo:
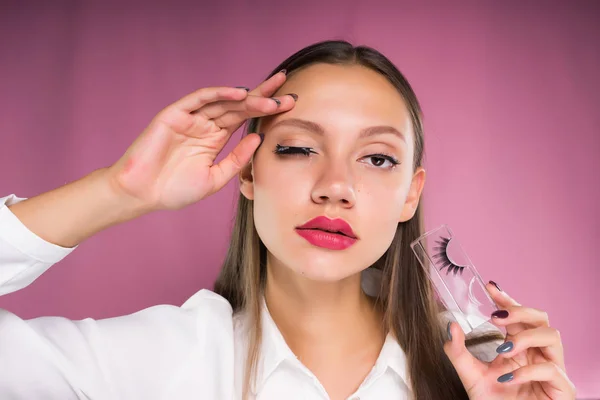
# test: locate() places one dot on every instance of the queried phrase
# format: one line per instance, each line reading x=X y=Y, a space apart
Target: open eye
x=378 y=160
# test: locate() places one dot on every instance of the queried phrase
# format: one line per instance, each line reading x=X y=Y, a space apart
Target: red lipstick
x=333 y=234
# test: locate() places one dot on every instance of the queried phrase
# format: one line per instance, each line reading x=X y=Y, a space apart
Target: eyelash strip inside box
x=454 y=277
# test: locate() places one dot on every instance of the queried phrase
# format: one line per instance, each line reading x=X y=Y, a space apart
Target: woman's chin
x=318 y=264
x=325 y=273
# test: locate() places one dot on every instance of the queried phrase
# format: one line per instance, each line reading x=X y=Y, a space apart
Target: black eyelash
x=388 y=157
x=445 y=260
x=279 y=149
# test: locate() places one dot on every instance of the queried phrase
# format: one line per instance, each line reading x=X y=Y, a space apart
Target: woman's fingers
x=204 y=96
x=504 y=301
x=468 y=368
x=554 y=380
x=546 y=339
x=228 y=114
x=201 y=97
x=233 y=120
x=227 y=168
x=255 y=104
x=519 y=314
x=268 y=87
x=499 y=296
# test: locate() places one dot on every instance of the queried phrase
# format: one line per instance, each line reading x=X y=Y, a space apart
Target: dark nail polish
x=449 y=333
x=506 y=377
x=495 y=284
x=276 y=101
x=294 y=96
x=500 y=314
x=262 y=138
x=505 y=347
x=243 y=87
x=284 y=71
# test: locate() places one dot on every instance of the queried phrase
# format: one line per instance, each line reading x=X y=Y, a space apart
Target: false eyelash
x=279 y=149
x=445 y=260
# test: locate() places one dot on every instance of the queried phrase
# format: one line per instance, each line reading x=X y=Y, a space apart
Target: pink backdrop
x=510 y=93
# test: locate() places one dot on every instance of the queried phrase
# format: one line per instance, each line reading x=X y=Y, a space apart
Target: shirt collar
x=392 y=356
x=274 y=351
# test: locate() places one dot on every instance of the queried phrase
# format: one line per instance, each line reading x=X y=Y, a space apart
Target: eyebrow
x=318 y=129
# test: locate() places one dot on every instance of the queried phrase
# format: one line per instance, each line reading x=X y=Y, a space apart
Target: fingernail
x=294 y=96
x=243 y=87
x=495 y=284
x=276 y=101
x=500 y=314
x=505 y=347
x=506 y=377
x=284 y=71
x=262 y=138
x=449 y=333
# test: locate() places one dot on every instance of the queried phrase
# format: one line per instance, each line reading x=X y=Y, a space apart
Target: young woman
x=319 y=297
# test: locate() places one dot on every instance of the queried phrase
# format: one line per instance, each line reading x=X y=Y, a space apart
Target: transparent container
x=457 y=282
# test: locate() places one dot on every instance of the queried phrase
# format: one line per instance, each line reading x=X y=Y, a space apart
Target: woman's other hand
x=530 y=363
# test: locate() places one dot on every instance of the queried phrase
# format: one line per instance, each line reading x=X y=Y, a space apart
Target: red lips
x=330 y=225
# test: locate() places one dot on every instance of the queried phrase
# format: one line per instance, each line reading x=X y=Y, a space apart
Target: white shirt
x=196 y=351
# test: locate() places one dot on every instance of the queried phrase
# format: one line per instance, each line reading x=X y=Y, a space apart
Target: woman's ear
x=414 y=195
x=246 y=177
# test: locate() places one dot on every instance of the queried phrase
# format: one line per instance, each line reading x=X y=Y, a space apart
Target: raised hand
x=172 y=163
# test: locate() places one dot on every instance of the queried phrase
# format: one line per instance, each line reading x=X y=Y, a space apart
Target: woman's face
x=347 y=116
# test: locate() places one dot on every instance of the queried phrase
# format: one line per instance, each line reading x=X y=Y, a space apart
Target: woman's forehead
x=344 y=97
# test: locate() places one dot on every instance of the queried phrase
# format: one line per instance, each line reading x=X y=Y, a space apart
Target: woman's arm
x=24 y=256
x=68 y=215
x=169 y=166
x=138 y=356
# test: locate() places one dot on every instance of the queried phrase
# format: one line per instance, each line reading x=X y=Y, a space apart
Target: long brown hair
x=410 y=309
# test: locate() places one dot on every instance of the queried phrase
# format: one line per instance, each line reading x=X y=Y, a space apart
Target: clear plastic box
x=457 y=282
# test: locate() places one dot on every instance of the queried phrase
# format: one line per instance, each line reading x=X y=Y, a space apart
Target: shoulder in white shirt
x=196 y=351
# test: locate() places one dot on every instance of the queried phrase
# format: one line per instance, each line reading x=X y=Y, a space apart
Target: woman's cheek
x=382 y=204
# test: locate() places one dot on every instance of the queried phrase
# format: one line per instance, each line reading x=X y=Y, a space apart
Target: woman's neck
x=324 y=319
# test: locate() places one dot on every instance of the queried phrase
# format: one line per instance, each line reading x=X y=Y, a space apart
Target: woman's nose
x=336 y=185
